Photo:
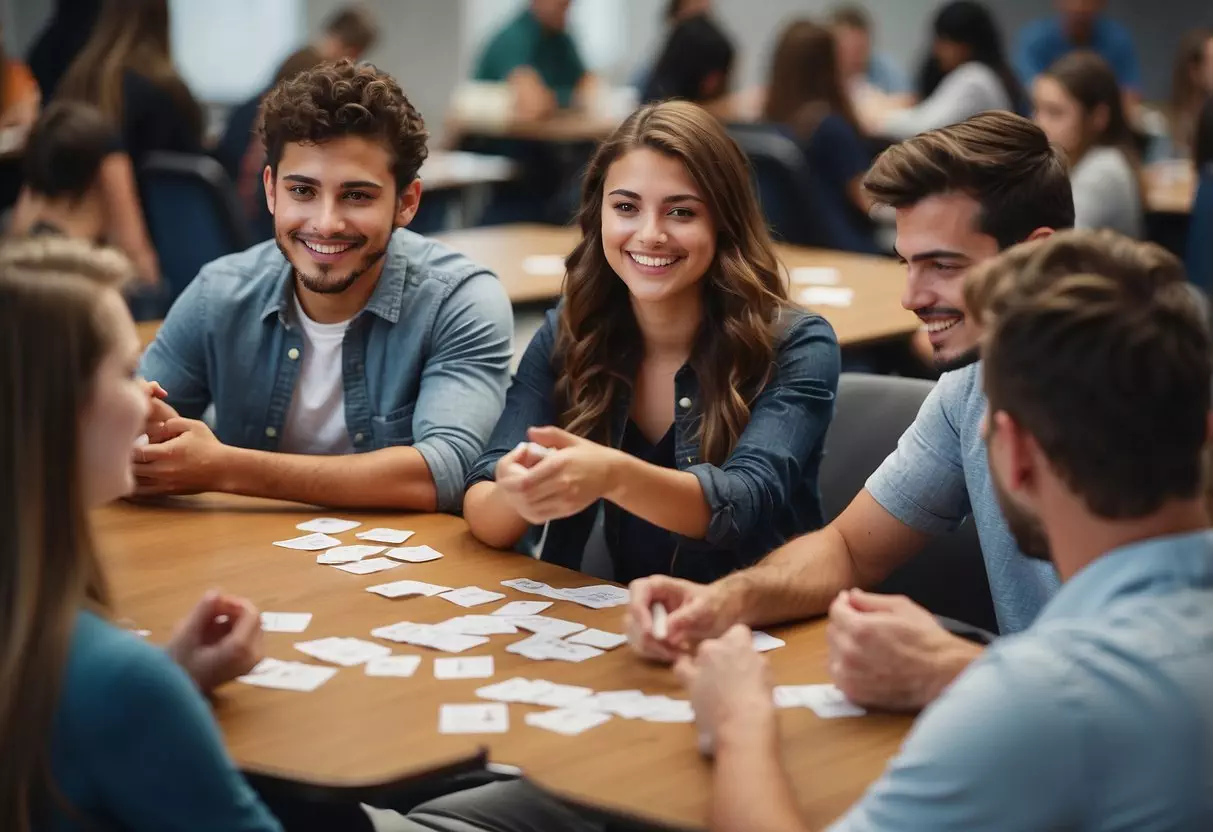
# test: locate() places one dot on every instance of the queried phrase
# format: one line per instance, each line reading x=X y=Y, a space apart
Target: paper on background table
x=815 y=276
x=403 y=666
x=285 y=622
x=827 y=296
x=309 y=542
x=481 y=718
x=369 y=566
x=328 y=525
x=383 y=535
x=413 y=554
x=519 y=608
x=464 y=667
x=348 y=554
x=543 y=264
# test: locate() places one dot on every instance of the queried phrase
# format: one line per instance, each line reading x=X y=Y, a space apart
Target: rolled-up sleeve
x=922 y=482
x=177 y=357
x=528 y=403
x=788 y=423
x=463 y=383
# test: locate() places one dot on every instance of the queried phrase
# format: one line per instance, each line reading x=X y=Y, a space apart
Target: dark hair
x=804 y=84
x=1202 y=145
x=65 y=148
x=1089 y=80
x=339 y=99
x=598 y=341
x=970 y=23
x=353 y=26
x=853 y=16
x=1186 y=94
x=1093 y=341
x=1002 y=160
x=695 y=50
x=301 y=59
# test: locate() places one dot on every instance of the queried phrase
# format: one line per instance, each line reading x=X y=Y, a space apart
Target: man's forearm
x=396 y=478
x=798 y=580
x=750 y=790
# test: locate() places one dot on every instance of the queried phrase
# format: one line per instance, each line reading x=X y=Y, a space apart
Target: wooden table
x=1169 y=187
x=147 y=331
x=453 y=169
x=875 y=312
x=359 y=737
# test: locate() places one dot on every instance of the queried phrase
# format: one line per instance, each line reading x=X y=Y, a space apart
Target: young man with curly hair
x=350 y=362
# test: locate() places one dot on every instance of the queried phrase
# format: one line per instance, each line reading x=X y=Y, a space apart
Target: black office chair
x=872 y=412
x=791 y=199
x=193 y=215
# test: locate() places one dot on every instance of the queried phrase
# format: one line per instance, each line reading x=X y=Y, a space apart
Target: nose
x=917 y=294
x=652 y=232
x=330 y=222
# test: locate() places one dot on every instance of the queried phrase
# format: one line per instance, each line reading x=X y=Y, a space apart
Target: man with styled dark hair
x=350 y=362
x=961 y=193
x=1100 y=715
x=349 y=33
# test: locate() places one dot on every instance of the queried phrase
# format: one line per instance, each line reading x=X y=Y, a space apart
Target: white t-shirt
x=315 y=424
x=969 y=89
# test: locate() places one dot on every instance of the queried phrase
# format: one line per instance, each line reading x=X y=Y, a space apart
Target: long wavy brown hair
x=52 y=339
x=805 y=85
x=599 y=345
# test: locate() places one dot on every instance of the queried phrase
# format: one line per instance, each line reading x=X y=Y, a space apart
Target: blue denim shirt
x=425 y=363
x=764 y=493
x=1099 y=716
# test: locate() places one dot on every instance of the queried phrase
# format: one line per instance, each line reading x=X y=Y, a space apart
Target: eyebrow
x=668 y=199
x=934 y=254
x=355 y=183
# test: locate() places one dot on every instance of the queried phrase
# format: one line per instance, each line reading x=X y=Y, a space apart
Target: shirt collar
x=386 y=301
x=1145 y=568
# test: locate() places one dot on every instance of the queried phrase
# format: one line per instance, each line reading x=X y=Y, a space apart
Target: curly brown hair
x=341 y=98
x=598 y=343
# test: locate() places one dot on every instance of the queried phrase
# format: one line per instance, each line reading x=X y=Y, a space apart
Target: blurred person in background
x=1079 y=24
x=695 y=64
x=1191 y=85
x=863 y=69
x=69 y=28
x=350 y=32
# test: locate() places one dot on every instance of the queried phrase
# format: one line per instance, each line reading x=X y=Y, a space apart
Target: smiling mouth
x=941 y=325
x=328 y=248
x=653 y=262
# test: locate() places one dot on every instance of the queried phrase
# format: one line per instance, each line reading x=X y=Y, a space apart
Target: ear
x=1040 y=234
x=1017 y=451
x=267 y=180
x=407 y=203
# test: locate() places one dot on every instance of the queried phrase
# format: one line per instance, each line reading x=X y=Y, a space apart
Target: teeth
x=652 y=261
x=940 y=326
x=321 y=248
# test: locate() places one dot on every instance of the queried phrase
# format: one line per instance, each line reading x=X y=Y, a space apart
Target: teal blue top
x=527 y=42
x=135 y=746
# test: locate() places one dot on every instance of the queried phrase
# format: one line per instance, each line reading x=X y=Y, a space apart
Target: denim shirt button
x=293 y=353
x=271 y=431
x=684 y=403
x=357 y=437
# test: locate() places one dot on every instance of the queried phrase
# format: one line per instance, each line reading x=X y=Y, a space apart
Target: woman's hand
x=556 y=475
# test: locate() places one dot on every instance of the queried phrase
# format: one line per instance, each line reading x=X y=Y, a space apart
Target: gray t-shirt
x=939 y=475
x=1106 y=193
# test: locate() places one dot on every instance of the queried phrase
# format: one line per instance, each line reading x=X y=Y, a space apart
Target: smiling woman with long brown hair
x=675 y=385
x=99 y=729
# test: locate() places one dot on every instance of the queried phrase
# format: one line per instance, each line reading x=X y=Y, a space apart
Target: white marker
x=660 y=632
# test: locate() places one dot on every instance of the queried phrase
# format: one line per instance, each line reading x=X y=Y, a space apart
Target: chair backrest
x=791 y=197
x=872 y=412
x=1199 y=258
x=192 y=214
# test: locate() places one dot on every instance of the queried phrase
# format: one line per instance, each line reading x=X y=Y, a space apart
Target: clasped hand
x=555 y=475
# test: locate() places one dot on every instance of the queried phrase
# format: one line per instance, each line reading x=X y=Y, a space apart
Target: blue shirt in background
x=1042 y=42
x=425 y=363
x=886 y=75
x=1098 y=717
x=939 y=475
x=135 y=746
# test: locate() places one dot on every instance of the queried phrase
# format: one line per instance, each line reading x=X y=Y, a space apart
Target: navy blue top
x=762 y=495
x=837 y=154
x=135 y=746
x=635 y=543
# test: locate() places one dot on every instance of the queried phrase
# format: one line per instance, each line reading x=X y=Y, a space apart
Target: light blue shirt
x=1042 y=42
x=1099 y=717
x=425 y=363
x=886 y=75
x=938 y=476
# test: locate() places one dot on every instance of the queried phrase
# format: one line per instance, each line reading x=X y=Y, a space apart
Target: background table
x=359 y=736
x=875 y=312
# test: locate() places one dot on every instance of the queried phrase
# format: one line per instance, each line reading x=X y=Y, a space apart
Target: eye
x=358 y=196
x=682 y=213
x=300 y=190
x=625 y=207
x=948 y=268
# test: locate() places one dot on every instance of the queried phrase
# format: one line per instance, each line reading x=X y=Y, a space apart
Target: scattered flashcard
x=464 y=667
x=533 y=588
x=815 y=276
x=598 y=638
x=471 y=596
x=393 y=666
x=413 y=554
x=348 y=554
x=493 y=718
x=565 y=652
x=346 y=652
x=479 y=625
x=596 y=597
x=547 y=626
x=518 y=608
x=664 y=709
x=399 y=589
x=285 y=622
x=328 y=525
x=560 y=696
x=513 y=690
x=567 y=721
x=425 y=635
x=272 y=673
x=628 y=704
x=827 y=701
x=827 y=296
x=368 y=566
x=765 y=641
x=309 y=542
x=142 y=633
x=533 y=647
x=543 y=264
x=393 y=537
